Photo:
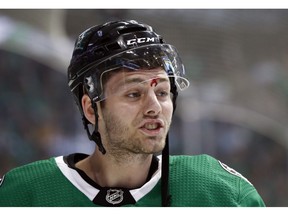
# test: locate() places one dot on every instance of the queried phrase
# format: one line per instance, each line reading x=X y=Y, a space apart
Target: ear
x=88 y=109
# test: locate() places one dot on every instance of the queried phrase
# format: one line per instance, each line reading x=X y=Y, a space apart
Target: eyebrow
x=131 y=81
x=141 y=80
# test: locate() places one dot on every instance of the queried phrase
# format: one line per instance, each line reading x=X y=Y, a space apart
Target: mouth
x=152 y=128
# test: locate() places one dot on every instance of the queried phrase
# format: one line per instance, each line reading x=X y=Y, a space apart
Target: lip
x=154 y=132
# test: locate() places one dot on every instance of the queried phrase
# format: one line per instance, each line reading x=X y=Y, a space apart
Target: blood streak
x=154 y=81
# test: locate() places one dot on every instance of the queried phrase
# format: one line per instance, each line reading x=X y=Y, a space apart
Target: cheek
x=167 y=108
x=167 y=111
x=125 y=112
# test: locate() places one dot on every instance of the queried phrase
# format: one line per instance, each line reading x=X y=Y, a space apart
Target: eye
x=133 y=95
x=162 y=93
x=163 y=90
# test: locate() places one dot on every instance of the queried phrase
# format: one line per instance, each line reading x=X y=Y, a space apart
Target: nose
x=152 y=106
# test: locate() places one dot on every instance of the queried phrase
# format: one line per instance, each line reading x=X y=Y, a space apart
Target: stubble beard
x=124 y=146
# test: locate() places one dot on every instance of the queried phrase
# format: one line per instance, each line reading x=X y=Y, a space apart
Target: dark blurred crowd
x=37 y=112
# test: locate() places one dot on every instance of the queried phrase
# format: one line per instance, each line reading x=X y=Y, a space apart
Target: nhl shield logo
x=114 y=196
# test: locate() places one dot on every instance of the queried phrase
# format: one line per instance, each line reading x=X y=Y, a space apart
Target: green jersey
x=199 y=181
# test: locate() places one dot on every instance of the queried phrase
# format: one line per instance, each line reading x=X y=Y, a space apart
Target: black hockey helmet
x=119 y=44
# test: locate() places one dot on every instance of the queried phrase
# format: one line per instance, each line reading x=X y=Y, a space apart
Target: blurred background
x=236 y=108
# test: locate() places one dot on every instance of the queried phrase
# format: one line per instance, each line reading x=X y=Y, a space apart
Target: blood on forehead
x=154 y=82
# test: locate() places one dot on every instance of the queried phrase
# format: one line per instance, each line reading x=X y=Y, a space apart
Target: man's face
x=137 y=112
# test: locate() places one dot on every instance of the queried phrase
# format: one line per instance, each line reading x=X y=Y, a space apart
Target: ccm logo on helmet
x=140 y=40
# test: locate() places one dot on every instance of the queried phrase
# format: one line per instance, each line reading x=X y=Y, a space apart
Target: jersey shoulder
x=205 y=164
x=17 y=184
x=217 y=183
x=37 y=169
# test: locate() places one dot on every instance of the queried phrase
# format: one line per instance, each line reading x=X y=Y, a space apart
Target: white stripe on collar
x=73 y=176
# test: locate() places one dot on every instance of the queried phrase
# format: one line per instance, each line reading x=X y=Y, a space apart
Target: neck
x=109 y=171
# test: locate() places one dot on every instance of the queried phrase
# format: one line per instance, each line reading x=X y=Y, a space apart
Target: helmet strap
x=95 y=136
x=166 y=197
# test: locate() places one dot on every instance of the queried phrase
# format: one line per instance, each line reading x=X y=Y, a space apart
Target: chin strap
x=95 y=136
x=166 y=197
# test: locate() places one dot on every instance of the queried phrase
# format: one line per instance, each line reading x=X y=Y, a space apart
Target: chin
x=158 y=149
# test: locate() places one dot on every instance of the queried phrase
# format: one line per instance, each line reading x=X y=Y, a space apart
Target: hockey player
x=125 y=80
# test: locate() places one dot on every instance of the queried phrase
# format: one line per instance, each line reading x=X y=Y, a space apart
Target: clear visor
x=154 y=65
